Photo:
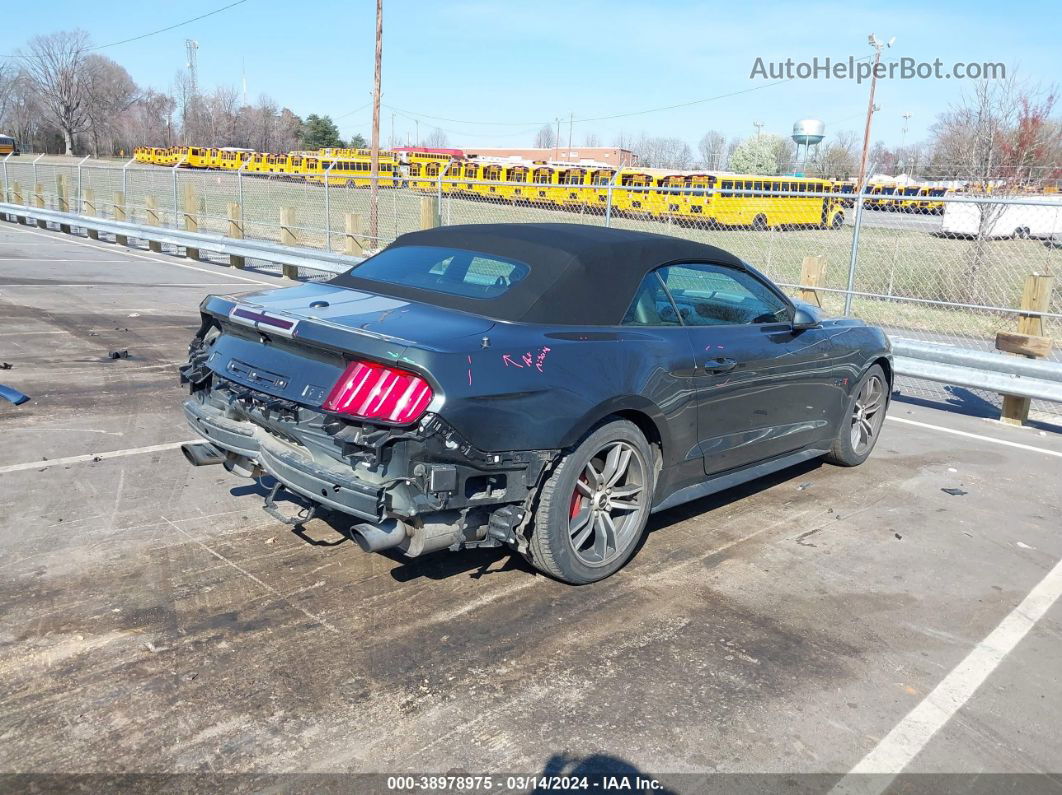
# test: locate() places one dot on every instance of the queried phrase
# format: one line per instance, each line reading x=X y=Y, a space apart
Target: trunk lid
x=394 y=318
x=294 y=343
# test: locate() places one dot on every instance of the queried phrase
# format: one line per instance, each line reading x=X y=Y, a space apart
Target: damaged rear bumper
x=418 y=488
x=328 y=487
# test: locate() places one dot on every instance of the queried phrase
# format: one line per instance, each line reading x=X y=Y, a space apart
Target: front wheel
x=862 y=421
x=593 y=508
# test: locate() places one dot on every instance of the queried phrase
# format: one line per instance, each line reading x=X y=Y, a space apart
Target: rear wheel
x=859 y=430
x=838 y=221
x=593 y=508
x=759 y=223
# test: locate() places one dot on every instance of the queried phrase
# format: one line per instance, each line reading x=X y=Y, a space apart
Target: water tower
x=808 y=133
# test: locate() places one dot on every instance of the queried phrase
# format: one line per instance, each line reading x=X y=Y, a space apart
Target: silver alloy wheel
x=868 y=414
x=607 y=504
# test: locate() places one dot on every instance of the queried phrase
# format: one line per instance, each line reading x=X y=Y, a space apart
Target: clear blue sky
x=518 y=64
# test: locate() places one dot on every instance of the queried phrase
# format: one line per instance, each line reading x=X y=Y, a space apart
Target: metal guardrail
x=308 y=258
x=997 y=372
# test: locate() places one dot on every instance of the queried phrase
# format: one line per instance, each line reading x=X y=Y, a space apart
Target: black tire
x=838 y=221
x=849 y=448
x=759 y=223
x=568 y=554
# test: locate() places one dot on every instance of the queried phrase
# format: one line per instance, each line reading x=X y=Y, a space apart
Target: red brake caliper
x=577 y=500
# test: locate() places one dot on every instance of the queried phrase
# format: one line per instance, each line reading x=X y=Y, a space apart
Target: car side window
x=715 y=295
x=651 y=305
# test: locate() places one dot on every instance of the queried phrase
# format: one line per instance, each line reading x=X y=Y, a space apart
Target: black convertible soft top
x=580 y=274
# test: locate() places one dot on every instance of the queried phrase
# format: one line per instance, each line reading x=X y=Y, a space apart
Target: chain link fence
x=947 y=268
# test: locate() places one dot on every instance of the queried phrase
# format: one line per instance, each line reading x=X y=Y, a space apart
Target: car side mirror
x=806 y=317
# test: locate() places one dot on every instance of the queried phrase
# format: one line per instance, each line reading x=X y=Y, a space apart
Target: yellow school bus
x=631 y=194
x=924 y=203
x=758 y=206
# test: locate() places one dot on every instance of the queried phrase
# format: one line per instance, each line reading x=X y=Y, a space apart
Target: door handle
x=720 y=365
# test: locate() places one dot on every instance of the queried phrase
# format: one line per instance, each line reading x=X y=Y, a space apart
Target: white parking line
x=78 y=459
x=97 y=286
x=75 y=241
x=969 y=435
x=43 y=259
x=901 y=745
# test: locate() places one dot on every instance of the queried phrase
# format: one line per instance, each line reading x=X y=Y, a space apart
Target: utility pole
x=191 y=47
x=191 y=102
x=556 y=140
x=392 y=130
x=759 y=127
x=903 y=141
x=374 y=160
x=878 y=47
x=571 y=121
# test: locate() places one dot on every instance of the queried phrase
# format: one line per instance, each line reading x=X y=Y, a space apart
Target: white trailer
x=1043 y=219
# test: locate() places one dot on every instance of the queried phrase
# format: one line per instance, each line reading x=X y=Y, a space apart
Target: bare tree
x=545 y=138
x=592 y=139
x=994 y=139
x=109 y=92
x=7 y=92
x=56 y=64
x=837 y=160
x=712 y=148
x=732 y=146
x=149 y=121
x=661 y=152
x=437 y=138
x=784 y=154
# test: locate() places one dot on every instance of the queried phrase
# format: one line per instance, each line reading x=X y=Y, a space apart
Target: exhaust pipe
x=378 y=537
x=202 y=454
x=241 y=465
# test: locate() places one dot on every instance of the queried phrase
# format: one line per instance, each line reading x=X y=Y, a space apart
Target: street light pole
x=878 y=47
x=374 y=160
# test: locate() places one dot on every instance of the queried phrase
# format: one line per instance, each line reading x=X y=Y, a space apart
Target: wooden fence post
x=151 y=215
x=38 y=202
x=352 y=235
x=191 y=217
x=429 y=212
x=19 y=200
x=88 y=207
x=812 y=275
x=119 y=215
x=236 y=232
x=1030 y=340
x=288 y=238
x=62 y=200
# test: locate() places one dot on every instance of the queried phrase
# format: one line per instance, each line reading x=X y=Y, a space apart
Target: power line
x=152 y=33
x=400 y=111
x=417 y=118
x=622 y=115
x=352 y=112
x=171 y=27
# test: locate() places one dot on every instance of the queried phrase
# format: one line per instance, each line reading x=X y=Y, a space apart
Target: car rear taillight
x=377 y=392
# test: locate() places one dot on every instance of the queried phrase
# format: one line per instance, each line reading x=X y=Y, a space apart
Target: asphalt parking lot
x=154 y=619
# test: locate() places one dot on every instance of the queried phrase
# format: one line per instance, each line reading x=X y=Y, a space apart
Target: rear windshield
x=445 y=270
